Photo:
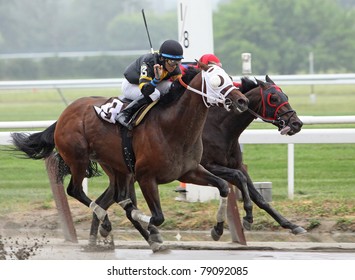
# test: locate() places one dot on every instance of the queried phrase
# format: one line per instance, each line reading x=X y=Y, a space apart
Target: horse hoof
x=298 y=230
x=157 y=247
x=92 y=240
x=156 y=237
x=246 y=225
x=103 y=232
x=215 y=236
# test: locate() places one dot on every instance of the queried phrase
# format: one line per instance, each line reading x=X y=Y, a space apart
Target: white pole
x=291 y=169
x=195 y=36
x=246 y=63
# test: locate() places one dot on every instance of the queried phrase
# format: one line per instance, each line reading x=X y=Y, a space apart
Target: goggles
x=172 y=62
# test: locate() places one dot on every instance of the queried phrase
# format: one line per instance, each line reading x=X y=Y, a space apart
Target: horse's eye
x=273 y=98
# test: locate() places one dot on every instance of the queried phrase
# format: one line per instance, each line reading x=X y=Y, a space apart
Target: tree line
x=279 y=34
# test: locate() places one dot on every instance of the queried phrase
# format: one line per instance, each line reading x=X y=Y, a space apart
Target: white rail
x=60 y=84
x=315 y=79
x=307 y=120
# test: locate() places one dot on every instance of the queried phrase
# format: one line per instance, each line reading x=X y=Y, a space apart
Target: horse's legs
x=139 y=220
x=150 y=192
x=200 y=176
x=77 y=159
x=238 y=179
x=151 y=195
x=259 y=200
x=125 y=196
x=105 y=200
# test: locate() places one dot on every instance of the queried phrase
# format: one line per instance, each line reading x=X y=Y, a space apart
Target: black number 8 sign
x=186 y=39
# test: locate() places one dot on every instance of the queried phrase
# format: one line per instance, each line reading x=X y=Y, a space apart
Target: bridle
x=269 y=110
x=216 y=85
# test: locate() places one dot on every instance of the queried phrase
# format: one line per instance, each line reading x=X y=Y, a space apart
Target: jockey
x=208 y=58
x=149 y=76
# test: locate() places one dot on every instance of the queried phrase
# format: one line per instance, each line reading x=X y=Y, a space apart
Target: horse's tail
x=37 y=145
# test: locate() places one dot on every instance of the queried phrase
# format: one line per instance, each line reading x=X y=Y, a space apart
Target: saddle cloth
x=109 y=110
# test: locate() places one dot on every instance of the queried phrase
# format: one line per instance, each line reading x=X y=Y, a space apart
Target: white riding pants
x=132 y=91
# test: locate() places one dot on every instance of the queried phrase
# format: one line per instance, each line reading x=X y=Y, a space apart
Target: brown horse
x=222 y=153
x=167 y=147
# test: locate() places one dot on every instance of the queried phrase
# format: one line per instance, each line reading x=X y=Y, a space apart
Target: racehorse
x=167 y=146
x=222 y=154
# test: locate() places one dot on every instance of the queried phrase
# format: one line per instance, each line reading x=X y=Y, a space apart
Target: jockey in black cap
x=149 y=76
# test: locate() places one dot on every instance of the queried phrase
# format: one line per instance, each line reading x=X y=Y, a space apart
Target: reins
x=199 y=92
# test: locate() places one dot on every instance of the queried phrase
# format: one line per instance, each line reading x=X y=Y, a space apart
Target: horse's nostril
x=297 y=125
x=243 y=103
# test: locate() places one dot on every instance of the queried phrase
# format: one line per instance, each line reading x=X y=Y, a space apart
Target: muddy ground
x=24 y=234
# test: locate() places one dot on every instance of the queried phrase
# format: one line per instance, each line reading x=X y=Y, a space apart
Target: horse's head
x=218 y=88
x=276 y=109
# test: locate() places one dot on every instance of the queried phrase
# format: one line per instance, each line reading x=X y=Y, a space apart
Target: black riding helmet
x=171 y=49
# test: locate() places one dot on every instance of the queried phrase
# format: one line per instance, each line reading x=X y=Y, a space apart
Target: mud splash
x=20 y=248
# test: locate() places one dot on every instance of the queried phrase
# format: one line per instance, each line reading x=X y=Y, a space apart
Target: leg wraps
x=140 y=217
x=125 y=202
x=100 y=212
x=222 y=209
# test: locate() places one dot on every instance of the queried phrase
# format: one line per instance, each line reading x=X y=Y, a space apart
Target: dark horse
x=222 y=154
x=167 y=147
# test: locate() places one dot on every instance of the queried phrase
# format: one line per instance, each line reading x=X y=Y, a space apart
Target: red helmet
x=210 y=59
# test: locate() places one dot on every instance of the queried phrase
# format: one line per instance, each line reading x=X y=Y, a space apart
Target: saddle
x=139 y=115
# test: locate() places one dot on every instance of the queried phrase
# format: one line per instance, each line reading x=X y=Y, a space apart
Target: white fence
x=306 y=136
x=251 y=136
x=315 y=79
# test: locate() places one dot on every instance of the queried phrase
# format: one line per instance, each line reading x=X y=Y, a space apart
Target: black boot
x=125 y=115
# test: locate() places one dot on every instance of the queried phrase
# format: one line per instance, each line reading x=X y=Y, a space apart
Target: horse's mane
x=176 y=89
x=247 y=85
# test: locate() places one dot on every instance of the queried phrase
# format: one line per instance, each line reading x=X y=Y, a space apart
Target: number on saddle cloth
x=109 y=110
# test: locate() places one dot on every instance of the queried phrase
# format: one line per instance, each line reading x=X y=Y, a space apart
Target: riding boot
x=126 y=114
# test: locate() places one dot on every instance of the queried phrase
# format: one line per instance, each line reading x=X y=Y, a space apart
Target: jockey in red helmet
x=206 y=59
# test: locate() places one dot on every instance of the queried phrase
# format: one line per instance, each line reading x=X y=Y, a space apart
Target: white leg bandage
x=125 y=202
x=222 y=210
x=140 y=217
x=100 y=212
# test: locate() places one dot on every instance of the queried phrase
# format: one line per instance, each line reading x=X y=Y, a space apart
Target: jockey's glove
x=148 y=89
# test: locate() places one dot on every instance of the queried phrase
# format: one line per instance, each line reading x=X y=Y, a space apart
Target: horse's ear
x=267 y=78
x=201 y=65
x=260 y=83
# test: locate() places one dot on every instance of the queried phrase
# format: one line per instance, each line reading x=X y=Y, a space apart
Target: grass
x=324 y=174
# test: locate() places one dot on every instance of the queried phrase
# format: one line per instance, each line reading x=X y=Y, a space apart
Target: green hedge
x=64 y=68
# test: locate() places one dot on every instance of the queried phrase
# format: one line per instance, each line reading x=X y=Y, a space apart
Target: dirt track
x=24 y=235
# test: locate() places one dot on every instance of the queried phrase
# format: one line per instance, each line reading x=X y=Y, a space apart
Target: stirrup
x=122 y=120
